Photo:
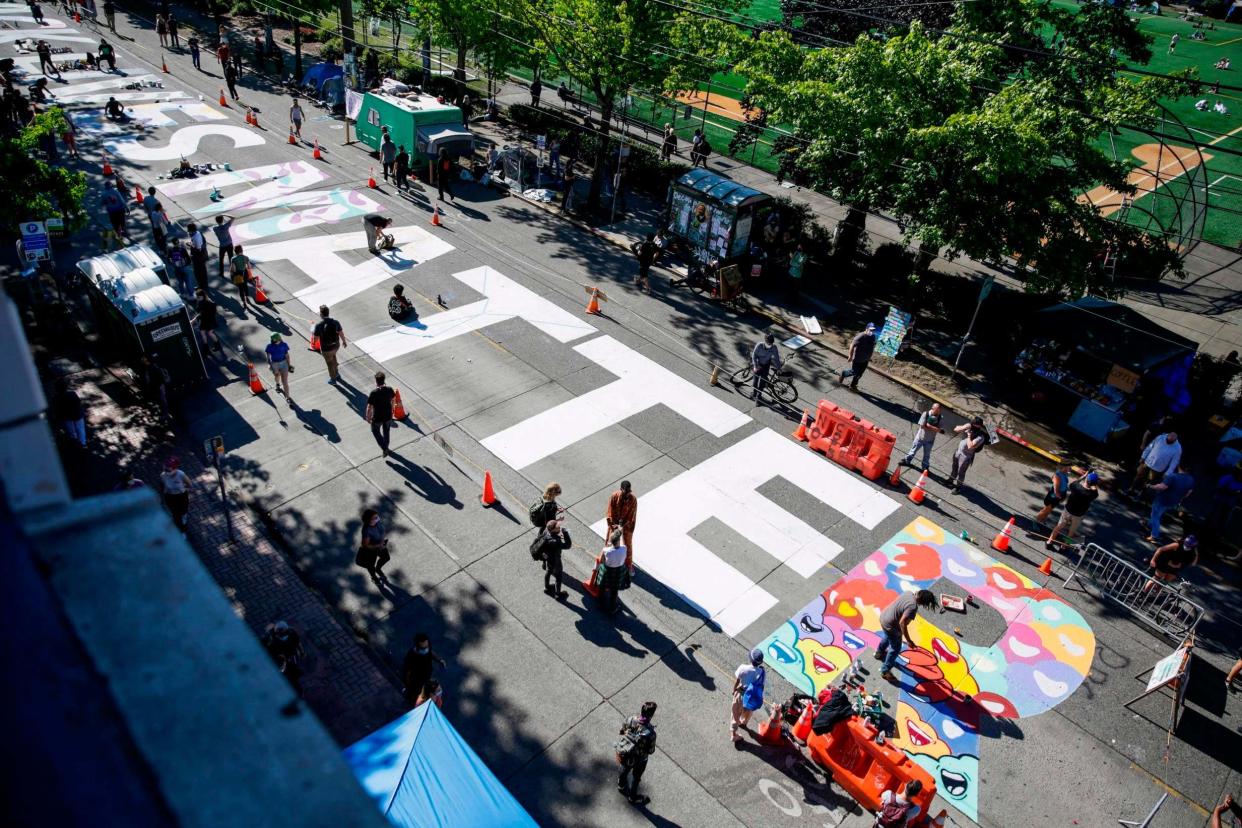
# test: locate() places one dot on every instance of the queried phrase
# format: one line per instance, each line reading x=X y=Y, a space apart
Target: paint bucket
x=228 y=166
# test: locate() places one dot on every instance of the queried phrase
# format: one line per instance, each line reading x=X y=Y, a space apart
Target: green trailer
x=421 y=123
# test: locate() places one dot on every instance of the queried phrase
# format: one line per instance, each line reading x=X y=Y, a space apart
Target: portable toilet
x=118 y=263
x=134 y=282
x=420 y=123
x=160 y=325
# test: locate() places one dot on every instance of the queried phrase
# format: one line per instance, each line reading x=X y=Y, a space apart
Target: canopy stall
x=713 y=214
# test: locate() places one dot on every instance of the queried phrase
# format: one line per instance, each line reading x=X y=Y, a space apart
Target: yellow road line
x=1171 y=791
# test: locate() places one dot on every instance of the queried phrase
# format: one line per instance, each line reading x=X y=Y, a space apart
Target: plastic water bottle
x=879 y=737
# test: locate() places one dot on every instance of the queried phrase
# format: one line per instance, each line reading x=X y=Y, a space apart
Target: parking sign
x=35 y=244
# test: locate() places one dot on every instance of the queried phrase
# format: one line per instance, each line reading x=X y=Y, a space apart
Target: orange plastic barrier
x=864 y=769
x=851 y=441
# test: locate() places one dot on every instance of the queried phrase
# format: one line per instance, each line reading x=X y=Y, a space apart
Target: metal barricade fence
x=1156 y=603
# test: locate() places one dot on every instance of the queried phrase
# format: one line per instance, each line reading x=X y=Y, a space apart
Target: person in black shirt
x=1171 y=560
x=647 y=252
x=379 y=411
x=418 y=665
x=552 y=541
x=208 y=318
x=68 y=410
x=861 y=349
x=374 y=225
x=1082 y=493
x=329 y=336
x=399 y=307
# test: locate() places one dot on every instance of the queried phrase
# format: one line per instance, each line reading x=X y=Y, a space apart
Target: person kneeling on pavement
x=399 y=308
x=547 y=547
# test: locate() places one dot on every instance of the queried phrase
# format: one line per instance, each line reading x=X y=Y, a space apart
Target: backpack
x=892 y=814
x=536 y=548
x=637 y=742
x=329 y=333
x=536 y=514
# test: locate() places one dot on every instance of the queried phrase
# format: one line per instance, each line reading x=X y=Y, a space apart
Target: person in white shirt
x=892 y=803
x=175 y=485
x=748 y=683
x=615 y=571
x=1159 y=458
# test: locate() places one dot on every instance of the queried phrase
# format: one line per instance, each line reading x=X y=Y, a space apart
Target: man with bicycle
x=764 y=358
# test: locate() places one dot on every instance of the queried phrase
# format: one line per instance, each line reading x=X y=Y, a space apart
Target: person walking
x=240 y=268
x=615 y=558
x=416 y=670
x=765 y=359
x=109 y=10
x=1160 y=457
x=668 y=147
x=222 y=54
x=44 y=51
x=331 y=337
x=36 y=13
x=284 y=646
x=296 y=116
x=156 y=380
x=161 y=29
x=1170 y=562
x=567 y=196
x=444 y=174
x=388 y=154
x=67 y=409
x=379 y=411
x=861 y=349
x=224 y=239
x=895 y=627
x=230 y=80
x=748 y=681
x=373 y=546
x=208 y=320
x=536 y=89
x=401 y=169
x=551 y=542
x=196 y=56
x=115 y=206
x=280 y=363
x=1057 y=491
x=925 y=437
x=198 y=254
x=646 y=253
x=1078 y=499
x=431 y=692
x=1173 y=42
x=634 y=749
x=173 y=36
x=545 y=509
x=155 y=214
x=374 y=224
x=175 y=485
x=623 y=514
x=696 y=141
x=1176 y=486
x=974 y=438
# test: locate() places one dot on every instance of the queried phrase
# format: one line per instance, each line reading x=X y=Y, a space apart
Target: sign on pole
x=213 y=448
x=35 y=244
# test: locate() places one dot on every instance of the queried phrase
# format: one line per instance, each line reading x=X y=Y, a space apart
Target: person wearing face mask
x=417 y=668
x=373 y=549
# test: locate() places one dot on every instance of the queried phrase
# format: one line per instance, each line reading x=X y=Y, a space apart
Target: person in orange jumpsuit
x=623 y=512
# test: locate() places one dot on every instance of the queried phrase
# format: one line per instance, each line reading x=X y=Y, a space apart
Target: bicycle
x=779 y=385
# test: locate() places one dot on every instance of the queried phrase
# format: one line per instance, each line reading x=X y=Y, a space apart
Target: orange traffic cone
x=593 y=305
x=802 y=728
x=489 y=494
x=77 y=17
x=1001 y=542
x=256 y=384
x=164 y=64
x=769 y=732
x=249 y=116
x=1046 y=566
x=398 y=409
x=317 y=155
x=107 y=168
x=223 y=100
x=371 y=183
x=138 y=193
x=292 y=139
x=919 y=491
x=800 y=433
x=590 y=584
x=314 y=343
x=435 y=215
x=895 y=478
x=260 y=295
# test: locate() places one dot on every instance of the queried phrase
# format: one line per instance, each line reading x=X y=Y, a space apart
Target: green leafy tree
x=843 y=21
x=30 y=187
x=981 y=144
x=390 y=13
x=459 y=24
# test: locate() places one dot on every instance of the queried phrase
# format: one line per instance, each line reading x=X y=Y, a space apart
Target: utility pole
x=348 y=41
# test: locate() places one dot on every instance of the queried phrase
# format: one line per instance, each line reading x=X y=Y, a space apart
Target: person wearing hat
x=748 y=682
x=1082 y=493
x=278 y=360
x=861 y=349
x=175 y=485
x=975 y=437
x=1170 y=561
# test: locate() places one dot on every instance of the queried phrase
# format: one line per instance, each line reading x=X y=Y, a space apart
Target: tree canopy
x=32 y=188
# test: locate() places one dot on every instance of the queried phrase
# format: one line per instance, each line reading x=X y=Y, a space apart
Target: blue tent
x=320 y=73
x=422 y=774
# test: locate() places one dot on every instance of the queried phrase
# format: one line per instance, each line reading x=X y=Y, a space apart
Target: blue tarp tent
x=422 y=774
x=320 y=73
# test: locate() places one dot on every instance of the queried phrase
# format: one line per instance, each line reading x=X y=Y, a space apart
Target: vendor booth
x=713 y=215
x=420 y=123
x=138 y=313
x=1090 y=360
x=422 y=774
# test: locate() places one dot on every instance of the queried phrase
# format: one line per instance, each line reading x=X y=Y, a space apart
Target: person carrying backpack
x=545 y=509
x=634 y=748
x=547 y=547
x=331 y=338
x=897 y=808
x=748 y=683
